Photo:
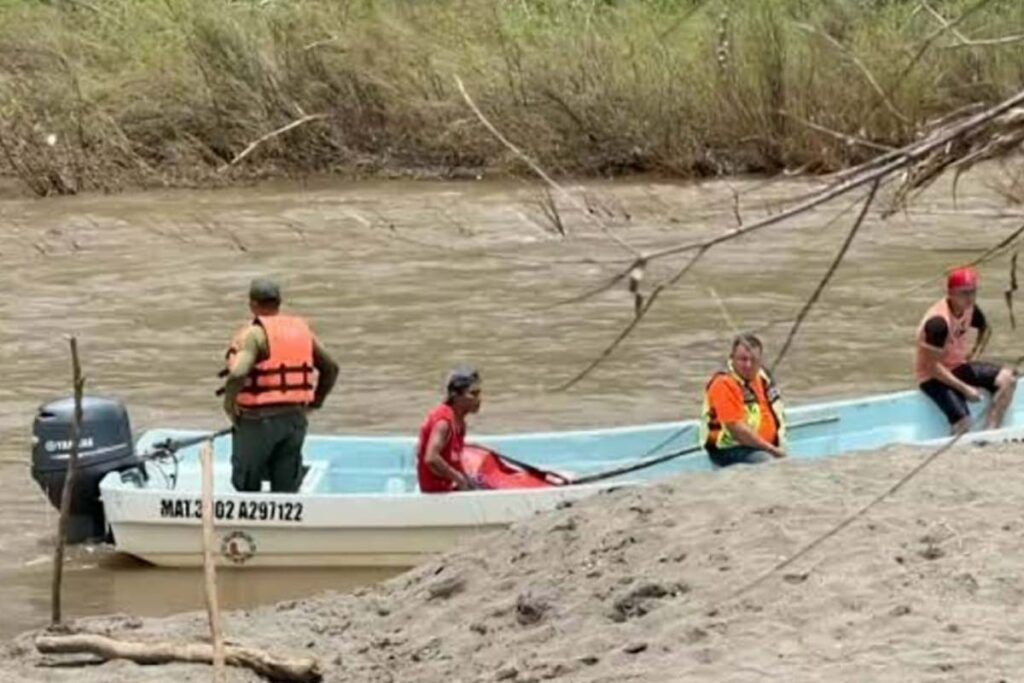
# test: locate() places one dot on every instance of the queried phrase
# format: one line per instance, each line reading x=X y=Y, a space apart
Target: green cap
x=264 y=290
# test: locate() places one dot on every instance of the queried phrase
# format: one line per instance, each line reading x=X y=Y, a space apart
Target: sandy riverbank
x=635 y=585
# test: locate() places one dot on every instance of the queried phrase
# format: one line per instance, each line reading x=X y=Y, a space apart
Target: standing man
x=742 y=421
x=944 y=367
x=443 y=435
x=272 y=363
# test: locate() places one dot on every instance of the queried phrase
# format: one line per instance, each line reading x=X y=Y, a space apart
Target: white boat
x=359 y=504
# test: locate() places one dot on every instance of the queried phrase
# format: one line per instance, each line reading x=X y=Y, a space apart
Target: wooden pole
x=69 y=478
x=209 y=564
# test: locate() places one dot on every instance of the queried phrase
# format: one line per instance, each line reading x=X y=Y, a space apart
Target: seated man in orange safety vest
x=272 y=363
x=944 y=367
x=443 y=436
x=742 y=422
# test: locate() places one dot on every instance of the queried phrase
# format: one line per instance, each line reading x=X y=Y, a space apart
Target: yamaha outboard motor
x=104 y=445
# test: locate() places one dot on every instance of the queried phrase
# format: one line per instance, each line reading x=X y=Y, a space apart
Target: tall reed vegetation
x=104 y=94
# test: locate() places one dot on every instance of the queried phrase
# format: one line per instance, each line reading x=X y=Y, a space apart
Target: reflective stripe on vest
x=955 y=351
x=714 y=435
x=286 y=375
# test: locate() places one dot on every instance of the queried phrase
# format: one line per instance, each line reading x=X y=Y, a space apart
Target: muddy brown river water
x=401 y=281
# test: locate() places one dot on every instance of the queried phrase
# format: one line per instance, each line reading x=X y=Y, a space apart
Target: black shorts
x=950 y=401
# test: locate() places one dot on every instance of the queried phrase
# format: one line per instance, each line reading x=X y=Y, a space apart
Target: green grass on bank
x=104 y=94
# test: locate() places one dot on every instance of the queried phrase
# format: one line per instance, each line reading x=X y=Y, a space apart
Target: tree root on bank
x=286 y=670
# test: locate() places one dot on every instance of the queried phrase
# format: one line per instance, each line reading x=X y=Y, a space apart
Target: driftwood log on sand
x=299 y=670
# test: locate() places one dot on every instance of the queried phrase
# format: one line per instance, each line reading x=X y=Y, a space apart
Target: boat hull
x=359 y=505
x=318 y=530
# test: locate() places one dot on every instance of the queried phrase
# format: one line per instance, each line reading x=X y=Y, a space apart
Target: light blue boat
x=359 y=504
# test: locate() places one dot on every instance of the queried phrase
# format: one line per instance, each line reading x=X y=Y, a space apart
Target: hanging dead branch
x=995 y=138
x=998 y=249
x=1008 y=293
x=549 y=208
x=828 y=276
x=930 y=152
x=641 y=311
x=992 y=252
x=535 y=167
x=960 y=143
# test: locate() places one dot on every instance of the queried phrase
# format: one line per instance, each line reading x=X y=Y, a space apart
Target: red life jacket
x=451 y=450
x=492 y=471
x=286 y=376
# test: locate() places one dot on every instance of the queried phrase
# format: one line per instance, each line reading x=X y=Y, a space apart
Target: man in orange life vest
x=943 y=366
x=443 y=435
x=271 y=366
x=743 y=422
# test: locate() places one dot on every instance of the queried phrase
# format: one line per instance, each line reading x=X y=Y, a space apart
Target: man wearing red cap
x=943 y=361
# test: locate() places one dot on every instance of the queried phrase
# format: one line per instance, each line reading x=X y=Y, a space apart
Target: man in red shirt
x=443 y=435
x=944 y=364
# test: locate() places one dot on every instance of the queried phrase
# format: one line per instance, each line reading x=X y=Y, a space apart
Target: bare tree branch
x=936 y=152
x=927 y=43
x=845 y=137
x=827 y=276
x=272 y=134
x=549 y=208
x=964 y=41
x=870 y=77
x=943 y=21
x=899 y=159
x=535 y=167
x=988 y=42
x=640 y=314
x=599 y=289
x=1008 y=293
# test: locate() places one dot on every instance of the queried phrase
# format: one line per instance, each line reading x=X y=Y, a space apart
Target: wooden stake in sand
x=301 y=670
x=69 y=478
x=209 y=564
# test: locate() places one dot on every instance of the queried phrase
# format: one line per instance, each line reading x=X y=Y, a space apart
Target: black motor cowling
x=104 y=445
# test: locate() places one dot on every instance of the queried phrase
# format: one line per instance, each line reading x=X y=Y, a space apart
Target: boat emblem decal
x=238 y=547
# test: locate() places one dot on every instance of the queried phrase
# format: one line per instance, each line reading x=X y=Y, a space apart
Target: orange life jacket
x=955 y=351
x=763 y=405
x=286 y=376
